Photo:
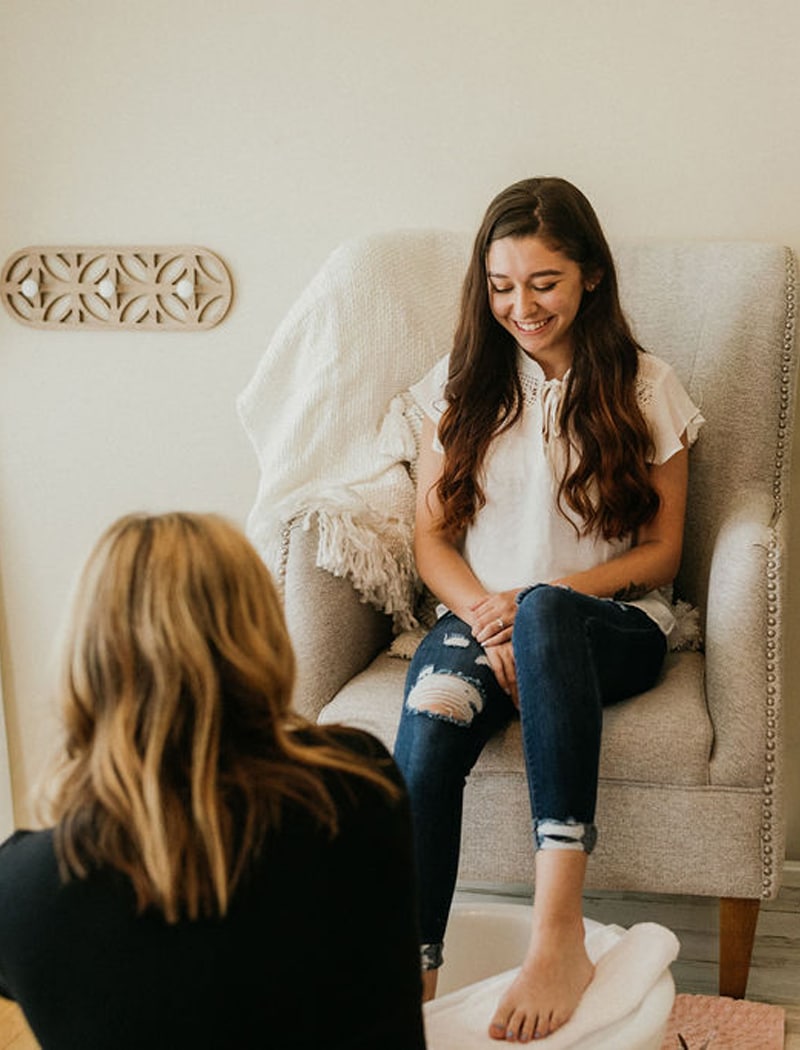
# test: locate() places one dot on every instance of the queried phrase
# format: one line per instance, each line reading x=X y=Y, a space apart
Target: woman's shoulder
x=671 y=413
x=655 y=379
x=359 y=741
x=24 y=845
x=27 y=860
x=429 y=390
x=653 y=368
x=362 y=747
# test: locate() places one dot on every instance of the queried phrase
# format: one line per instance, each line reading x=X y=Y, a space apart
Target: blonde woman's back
x=318 y=947
x=219 y=873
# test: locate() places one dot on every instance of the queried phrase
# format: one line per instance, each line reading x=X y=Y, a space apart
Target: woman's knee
x=449 y=675
x=544 y=606
x=435 y=744
x=450 y=697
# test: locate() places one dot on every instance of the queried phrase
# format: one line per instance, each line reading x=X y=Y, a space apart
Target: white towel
x=628 y=964
x=375 y=318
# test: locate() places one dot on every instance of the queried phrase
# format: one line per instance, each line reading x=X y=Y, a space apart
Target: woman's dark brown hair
x=606 y=481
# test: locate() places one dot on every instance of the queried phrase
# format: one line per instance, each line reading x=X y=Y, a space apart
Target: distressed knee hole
x=446 y=696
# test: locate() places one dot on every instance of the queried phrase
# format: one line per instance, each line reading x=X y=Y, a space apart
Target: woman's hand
x=501 y=661
x=493 y=618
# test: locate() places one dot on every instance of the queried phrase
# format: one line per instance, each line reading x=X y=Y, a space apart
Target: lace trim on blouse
x=550 y=392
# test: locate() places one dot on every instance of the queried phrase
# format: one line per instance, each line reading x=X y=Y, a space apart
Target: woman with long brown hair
x=551 y=496
x=216 y=865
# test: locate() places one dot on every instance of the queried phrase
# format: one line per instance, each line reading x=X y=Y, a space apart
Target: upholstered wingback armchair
x=690 y=795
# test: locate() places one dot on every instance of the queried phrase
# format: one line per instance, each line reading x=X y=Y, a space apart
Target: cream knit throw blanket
x=375 y=318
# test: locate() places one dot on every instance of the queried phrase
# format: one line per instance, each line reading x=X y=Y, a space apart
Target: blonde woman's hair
x=182 y=749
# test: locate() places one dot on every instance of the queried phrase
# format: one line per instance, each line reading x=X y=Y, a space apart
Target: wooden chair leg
x=737 y=930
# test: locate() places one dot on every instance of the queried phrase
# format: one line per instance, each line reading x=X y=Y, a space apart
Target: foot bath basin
x=626 y=1007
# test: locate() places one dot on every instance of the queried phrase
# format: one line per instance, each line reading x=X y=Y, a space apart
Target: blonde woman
x=220 y=872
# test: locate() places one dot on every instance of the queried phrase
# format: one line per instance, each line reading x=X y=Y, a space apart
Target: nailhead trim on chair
x=283 y=558
x=786 y=381
x=773 y=576
x=771 y=721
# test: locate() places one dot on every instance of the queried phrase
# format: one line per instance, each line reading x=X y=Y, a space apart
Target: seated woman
x=551 y=496
x=220 y=872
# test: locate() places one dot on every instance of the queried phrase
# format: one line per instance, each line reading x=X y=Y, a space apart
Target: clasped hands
x=492 y=626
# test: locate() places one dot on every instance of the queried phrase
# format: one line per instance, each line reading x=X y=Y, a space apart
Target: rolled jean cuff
x=431 y=956
x=560 y=834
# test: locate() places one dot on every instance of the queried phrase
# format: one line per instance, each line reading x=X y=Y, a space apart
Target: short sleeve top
x=520 y=537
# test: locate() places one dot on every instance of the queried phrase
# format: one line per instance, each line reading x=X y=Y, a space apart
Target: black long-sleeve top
x=319 y=948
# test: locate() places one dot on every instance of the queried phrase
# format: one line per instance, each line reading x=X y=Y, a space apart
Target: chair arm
x=334 y=634
x=746 y=595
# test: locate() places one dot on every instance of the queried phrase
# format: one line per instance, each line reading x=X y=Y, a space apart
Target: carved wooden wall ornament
x=153 y=288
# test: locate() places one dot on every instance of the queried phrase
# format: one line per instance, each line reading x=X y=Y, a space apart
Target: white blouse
x=520 y=537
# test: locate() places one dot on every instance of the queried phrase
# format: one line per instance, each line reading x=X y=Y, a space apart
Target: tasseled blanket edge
x=376 y=555
x=687 y=634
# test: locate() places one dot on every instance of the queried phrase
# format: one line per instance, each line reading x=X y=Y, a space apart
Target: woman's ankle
x=430 y=979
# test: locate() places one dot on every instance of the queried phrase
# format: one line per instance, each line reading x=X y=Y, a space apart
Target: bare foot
x=543 y=996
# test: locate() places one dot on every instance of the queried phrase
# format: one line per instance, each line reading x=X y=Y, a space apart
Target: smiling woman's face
x=534 y=293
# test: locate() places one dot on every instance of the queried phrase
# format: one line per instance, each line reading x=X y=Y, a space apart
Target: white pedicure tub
x=626 y=1007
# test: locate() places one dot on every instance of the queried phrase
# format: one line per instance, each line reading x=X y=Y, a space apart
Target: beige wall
x=270 y=130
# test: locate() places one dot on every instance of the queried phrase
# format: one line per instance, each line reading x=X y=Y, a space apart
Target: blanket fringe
x=687 y=633
x=376 y=555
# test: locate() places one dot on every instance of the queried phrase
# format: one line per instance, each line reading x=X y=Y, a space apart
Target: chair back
x=722 y=314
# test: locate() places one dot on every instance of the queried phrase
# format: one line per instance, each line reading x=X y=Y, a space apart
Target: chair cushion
x=663 y=736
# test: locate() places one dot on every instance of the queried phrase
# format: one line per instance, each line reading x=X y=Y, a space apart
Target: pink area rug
x=707 y=1022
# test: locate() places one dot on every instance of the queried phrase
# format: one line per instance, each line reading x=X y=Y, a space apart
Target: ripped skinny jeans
x=574 y=655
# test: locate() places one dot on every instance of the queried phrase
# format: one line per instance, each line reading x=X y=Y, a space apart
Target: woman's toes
x=542 y=1028
x=527 y=1030
x=498 y=1028
x=525 y=1034
x=515 y=1026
